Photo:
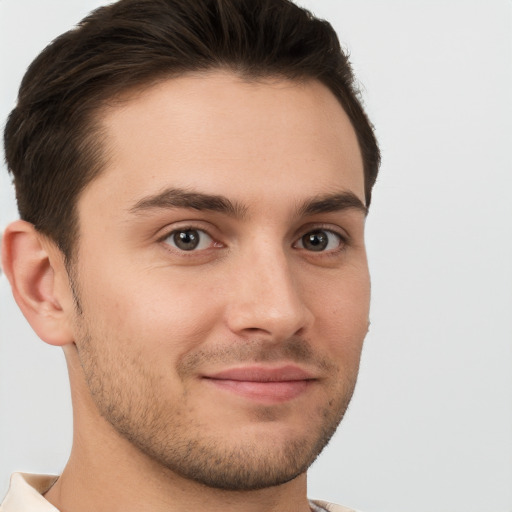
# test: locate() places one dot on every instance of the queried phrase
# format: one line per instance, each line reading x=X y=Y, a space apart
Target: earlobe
x=33 y=269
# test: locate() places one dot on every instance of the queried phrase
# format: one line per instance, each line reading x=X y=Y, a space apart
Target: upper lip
x=284 y=373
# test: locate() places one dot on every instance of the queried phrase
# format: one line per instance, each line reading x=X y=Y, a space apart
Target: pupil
x=186 y=240
x=315 y=241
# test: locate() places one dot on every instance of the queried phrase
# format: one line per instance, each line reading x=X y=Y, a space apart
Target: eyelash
x=342 y=237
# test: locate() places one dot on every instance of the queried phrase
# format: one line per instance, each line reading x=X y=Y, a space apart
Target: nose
x=267 y=299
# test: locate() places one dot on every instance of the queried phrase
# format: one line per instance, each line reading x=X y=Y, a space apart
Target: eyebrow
x=332 y=203
x=180 y=198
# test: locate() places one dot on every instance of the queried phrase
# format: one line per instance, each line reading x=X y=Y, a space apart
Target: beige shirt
x=26 y=490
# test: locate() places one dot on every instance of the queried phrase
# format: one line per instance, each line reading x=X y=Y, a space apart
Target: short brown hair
x=52 y=139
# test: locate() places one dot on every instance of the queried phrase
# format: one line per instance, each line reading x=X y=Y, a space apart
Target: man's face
x=222 y=276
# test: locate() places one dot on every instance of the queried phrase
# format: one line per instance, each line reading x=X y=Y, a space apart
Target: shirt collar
x=25 y=493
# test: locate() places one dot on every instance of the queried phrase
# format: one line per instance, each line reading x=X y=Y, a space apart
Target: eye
x=189 y=239
x=320 y=240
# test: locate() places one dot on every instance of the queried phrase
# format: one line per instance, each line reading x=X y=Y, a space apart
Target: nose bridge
x=267 y=296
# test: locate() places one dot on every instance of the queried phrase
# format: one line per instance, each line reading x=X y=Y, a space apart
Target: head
x=198 y=175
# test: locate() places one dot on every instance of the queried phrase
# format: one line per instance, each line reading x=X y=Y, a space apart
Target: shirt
x=26 y=490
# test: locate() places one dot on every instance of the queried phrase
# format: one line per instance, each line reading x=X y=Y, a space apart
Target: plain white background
x=430 y=426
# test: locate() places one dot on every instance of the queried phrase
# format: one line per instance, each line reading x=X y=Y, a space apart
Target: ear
x=39 y=281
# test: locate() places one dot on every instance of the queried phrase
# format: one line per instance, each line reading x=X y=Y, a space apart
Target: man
x=193 y=180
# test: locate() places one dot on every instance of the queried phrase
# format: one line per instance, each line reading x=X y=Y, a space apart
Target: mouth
x=263 y=384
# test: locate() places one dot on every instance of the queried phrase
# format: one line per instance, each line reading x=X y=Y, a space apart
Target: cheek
x=341 y=311
x=152 y=308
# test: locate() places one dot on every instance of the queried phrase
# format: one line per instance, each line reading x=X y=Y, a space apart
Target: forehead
x=220 y=134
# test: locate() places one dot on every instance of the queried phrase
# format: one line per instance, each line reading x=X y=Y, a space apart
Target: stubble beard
x=127 y=396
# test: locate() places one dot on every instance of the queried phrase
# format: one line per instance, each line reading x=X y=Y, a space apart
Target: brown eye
x=320 y=240
x=189 y=239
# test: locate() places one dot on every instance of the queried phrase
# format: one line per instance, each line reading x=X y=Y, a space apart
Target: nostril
x=300 y=331
x=255 y=330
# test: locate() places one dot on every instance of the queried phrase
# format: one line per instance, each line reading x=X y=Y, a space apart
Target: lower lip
x=264 y=391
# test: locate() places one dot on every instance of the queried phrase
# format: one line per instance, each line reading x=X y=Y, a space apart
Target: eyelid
x=184 y=225
x=326 y=226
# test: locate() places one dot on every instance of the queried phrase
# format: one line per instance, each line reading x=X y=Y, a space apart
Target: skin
x=160 y=331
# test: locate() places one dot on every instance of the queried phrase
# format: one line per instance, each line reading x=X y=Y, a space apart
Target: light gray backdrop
x=430 y=427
